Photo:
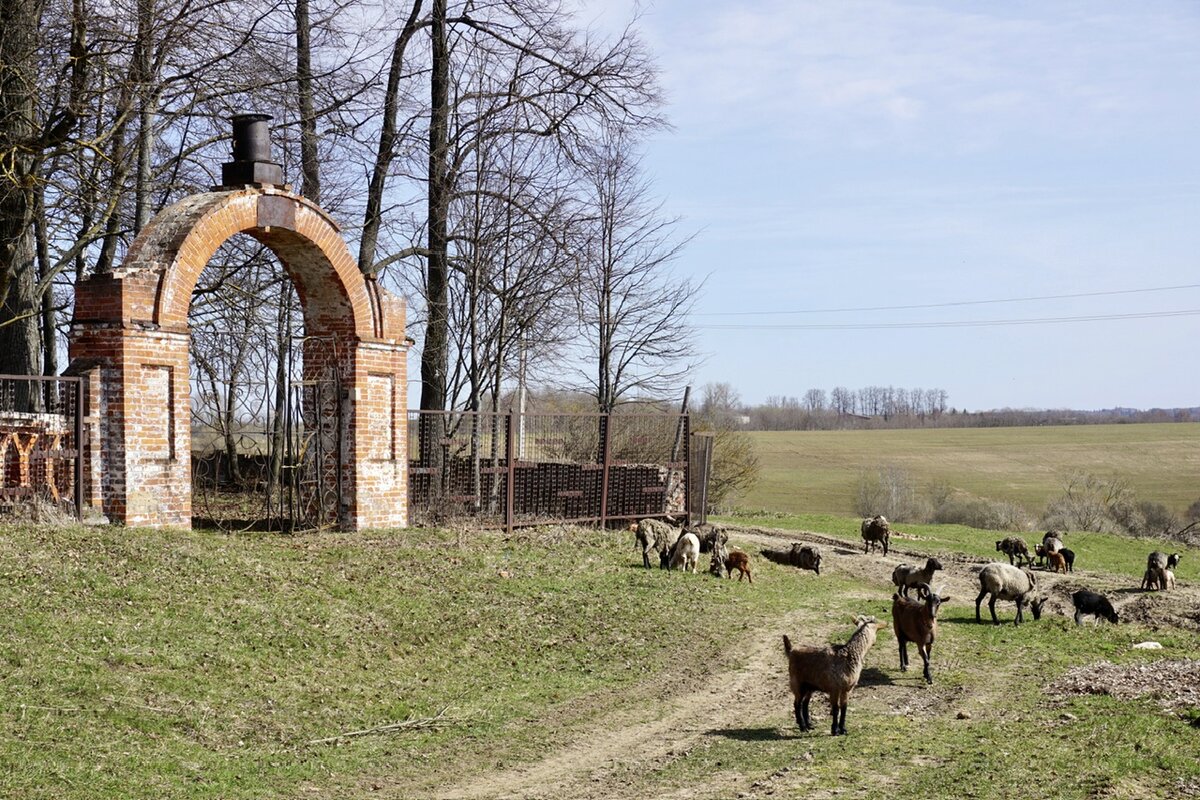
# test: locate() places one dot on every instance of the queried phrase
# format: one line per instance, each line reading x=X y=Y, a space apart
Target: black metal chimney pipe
x=252 y=164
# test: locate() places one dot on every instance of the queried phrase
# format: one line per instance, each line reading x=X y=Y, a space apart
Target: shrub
x=979 y=512
x=888 y=490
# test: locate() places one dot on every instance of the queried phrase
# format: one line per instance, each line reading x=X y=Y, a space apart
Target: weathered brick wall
x=131 y=330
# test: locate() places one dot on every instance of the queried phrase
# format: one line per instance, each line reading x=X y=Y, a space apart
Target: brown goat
x=741 y=562
x=1058 y=562
x=832 y=669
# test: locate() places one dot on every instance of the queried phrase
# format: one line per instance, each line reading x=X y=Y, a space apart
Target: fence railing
x=41 y=431
x=510 y=470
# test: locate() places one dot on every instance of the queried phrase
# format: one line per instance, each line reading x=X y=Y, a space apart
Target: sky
x=857 y=164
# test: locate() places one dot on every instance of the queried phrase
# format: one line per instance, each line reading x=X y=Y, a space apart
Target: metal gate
x=267 y=428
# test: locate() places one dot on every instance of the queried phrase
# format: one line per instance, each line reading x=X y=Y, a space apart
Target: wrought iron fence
x=516 y=470
x=41 y=428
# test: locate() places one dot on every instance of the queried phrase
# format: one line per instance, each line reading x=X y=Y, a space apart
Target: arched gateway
x=130 y=340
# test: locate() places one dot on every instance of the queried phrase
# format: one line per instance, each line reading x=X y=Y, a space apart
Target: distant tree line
x=878 y=407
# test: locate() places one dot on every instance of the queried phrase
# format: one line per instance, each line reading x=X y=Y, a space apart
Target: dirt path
x=607 y=760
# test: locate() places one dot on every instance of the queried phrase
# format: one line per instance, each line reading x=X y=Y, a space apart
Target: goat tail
x=787 y=645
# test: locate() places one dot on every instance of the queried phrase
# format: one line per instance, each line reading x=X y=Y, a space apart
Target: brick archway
x=130 y=339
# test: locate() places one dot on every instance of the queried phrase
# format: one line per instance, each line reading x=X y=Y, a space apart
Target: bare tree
x=634 y=311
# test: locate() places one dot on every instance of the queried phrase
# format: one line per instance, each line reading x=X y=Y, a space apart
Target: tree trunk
x=434 y=351
x=20 y=306
x=310 y=165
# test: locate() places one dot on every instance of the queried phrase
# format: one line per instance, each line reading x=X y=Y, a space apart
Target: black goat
x=1094 y=603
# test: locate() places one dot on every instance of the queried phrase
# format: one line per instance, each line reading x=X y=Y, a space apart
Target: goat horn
x=923 y=590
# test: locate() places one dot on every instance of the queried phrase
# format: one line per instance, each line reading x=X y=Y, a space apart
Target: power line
x=966 y=323
x=947 y=305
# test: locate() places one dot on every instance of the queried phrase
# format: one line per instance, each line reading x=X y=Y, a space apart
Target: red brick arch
x=130 y=332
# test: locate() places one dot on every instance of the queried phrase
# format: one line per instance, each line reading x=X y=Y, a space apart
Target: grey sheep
x=654 y=535
x=804 y=556
x=709 y=535
x=906 y=575
x=916 y=621
x=832 y=669
x=1006 y=582
x=876 y=531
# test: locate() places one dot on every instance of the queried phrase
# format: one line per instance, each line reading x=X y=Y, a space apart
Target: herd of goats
x=834 y=669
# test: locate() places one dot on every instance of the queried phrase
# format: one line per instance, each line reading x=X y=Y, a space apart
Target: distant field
x=816 y=472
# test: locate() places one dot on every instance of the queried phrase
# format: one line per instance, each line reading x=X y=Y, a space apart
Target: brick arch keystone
x=130 y=335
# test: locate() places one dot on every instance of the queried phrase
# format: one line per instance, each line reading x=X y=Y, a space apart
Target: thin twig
x=439 y=720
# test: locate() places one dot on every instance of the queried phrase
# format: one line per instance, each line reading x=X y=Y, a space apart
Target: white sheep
x=685 y=553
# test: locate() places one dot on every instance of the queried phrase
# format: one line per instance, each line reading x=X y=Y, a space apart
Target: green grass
x=146 y=664
x=1100 y=552
x=183 y=664
x=817 y=471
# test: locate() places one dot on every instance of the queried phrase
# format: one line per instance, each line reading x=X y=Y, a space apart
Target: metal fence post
x=79 y=449
x=509 y=511
x=606 y=459
x=687 y=469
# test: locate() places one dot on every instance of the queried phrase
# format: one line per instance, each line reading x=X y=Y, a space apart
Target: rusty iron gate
x=510 y=470
x=267 y=428
x=41 y=431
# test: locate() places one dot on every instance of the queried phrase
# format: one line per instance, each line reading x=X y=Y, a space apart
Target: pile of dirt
x=1172 y=683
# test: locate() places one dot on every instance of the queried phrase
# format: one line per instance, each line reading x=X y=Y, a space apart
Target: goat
x=1156 y=563
x=833 y=670
x=1057 y=562
x=1094 y=603
x=916 y=621
x=1173 y=560
x=1069 y=558
x=875 y=531
x=654 y=536
x=804 y=556
x=741 y=562
x=1014 y=547
x=718 y=561
x=906 y=575
x=1167 y=579
x=1006 y=582
x=685 y=553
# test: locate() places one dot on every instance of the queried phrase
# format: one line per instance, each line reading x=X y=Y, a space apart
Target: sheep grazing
x=1094 y=603
x=741 y=562
x=685 y=553
x=876 y=531
x=906 y=575
x=1006 y=582
x=916 y=621
x=1069 y=558
x=804 y=556
x=832 y=669
x=1057 y=562
x=1014 y=547
x=654 y=535
x=710 y=536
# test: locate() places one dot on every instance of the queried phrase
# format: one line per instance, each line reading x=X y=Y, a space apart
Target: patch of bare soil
x=1172 y=683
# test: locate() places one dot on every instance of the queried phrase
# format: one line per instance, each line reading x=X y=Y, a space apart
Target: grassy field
x=816 y=472
x=194 y=664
